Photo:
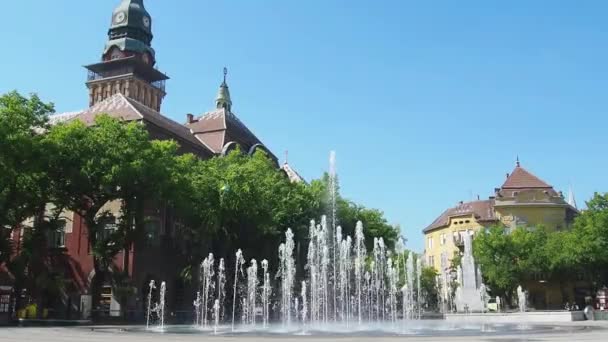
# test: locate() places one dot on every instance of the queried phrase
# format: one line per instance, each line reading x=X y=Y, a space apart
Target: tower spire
x=127 y=62
x=571 y=199
x=517 y=163
x=223 y=95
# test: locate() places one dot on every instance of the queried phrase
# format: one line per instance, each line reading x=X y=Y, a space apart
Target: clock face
x=146 y=22
x=120 y=17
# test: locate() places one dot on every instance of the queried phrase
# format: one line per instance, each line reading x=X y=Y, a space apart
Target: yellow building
x=523 y=200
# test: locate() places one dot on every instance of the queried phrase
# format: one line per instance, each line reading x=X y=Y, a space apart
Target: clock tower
x=128 y=61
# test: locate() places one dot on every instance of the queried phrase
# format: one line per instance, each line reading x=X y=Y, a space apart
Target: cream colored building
x=523 y=200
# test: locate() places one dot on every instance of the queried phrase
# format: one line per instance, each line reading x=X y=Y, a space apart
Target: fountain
x=304 y=314
x=343 y=290
x=152 y=286
x=197 y=305
x=335 y=243
x=252 y=289
x=207 y=273
x=266 y=291
x=239 y=261
x=521 y=299
x=287 y=272
x=221 y=286
x=470 y=291
x=216 y=315
x=161 y=305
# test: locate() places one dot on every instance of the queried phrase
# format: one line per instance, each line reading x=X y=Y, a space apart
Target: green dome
x=131 y=20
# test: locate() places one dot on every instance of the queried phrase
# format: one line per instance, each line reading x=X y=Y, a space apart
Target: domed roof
x=132 y=14
x=131 y=28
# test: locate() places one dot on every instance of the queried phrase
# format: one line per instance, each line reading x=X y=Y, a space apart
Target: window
x=109 y=227
x=5 y=301
x=443 y=239
x=57 y=237
x=152 y=228
x=430 y=243
x=431 y=261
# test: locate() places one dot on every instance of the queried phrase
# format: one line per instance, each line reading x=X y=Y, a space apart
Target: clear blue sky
x=426 y=102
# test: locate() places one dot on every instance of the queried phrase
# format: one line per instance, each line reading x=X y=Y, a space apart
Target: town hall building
x=126 y=84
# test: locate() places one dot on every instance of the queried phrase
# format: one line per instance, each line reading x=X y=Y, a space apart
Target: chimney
x=478 y=197
x=189 y=118
x=461 y=202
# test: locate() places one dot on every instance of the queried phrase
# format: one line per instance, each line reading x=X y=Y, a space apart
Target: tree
x=349 y=213
x=583 y=251
x=239 y=201
x=22 y=176
x=94 y=165
x=509 y=258
x=428 y=287
x=25 y=190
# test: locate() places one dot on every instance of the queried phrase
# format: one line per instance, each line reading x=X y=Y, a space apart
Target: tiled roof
x=63 y=117
x=292 y=174
x=124 y=108
x=521 y=178
x=483 y=211
x=220 y=127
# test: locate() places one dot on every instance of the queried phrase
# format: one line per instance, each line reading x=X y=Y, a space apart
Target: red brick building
x=126 y=85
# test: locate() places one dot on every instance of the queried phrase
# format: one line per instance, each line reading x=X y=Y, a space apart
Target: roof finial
x=517 y=162
x=286 y=156
x=223 y=96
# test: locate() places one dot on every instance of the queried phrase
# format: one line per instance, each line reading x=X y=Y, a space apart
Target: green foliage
x=428 y=286
x=583 y=251
x=349 y=213
x=22 y=160
x=508 y=258
x=238 y=201
x=221 y=204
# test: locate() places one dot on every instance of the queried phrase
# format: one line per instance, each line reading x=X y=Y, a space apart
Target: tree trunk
x=17 y=290
x=125 y=267
x=96 y=286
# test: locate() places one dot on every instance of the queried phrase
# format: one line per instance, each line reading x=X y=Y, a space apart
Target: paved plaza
x=585 y=331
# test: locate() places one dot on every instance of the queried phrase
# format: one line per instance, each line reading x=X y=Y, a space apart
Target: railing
x=93 y=76
x=159 y=85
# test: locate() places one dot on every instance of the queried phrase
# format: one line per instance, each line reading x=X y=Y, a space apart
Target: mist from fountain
x=266 y=292
x=470 y=291
x=287 y=272
x=521 y=299
x=239 y=261
x=221 y=286
x=161 y=305
x=207 y=272
x=334 y=246
x=252 y=288
x=152 y=286
x=216 y=315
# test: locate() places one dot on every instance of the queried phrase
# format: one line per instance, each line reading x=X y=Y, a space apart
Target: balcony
x=93 y=76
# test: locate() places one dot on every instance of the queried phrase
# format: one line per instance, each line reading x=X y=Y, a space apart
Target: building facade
x=524 y=200
x=126 y=85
